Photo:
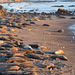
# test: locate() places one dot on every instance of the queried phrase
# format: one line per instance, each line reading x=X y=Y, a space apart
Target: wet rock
x=72 y=6
x=58 y=6
x=61 y=31
x=63 y=12
x=3 y=12
x=11 y=10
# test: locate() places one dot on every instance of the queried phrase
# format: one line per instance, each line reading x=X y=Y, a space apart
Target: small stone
x=59 y=52
x=61 y=31
x=28 y=48
x=42 y=48
x=46 y=25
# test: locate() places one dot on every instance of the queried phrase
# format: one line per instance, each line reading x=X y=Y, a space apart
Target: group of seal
x=17 y=52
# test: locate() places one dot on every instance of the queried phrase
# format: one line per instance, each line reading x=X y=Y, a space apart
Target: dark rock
x=72 y=6
x=58 y=6
x=46 y=25
x=72 y=18
x=34 y=45
x=3 y=12
x=12 y=10
x=61 y=31
x=32 y=22
x=26 y=24
x=63 y=12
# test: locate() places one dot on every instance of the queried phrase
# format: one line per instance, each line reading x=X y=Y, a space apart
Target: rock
x=3 y=12
x=28 y=48
x=61 y=31
x=48 y=66
x=35 y=46
x=46 y=25
x=58 y=6
x=61 y=17
x=39 y=52
x=26 y=24
x=42 y=48
x=60 y=57
x=32 y=22
x=61 y=11
x=72 y=18
x=59 y=52
x=11 y=10
x=72 y=6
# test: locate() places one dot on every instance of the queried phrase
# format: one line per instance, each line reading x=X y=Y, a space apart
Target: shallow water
x=72 y=27
x=38 y=7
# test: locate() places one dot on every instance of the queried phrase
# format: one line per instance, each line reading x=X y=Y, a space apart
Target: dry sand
x=49 y=37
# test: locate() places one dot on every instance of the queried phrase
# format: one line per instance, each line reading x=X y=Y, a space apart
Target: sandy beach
x=20 y=34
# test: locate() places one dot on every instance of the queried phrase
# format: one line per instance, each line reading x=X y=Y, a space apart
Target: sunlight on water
x=38 y=7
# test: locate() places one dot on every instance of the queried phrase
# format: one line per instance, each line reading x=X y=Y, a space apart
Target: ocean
x=39 y=7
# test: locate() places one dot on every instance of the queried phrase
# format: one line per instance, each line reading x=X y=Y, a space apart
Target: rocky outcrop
x=3 y=12
x=61 y=11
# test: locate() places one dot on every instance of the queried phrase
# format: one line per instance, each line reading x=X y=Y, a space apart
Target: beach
x=21 y=33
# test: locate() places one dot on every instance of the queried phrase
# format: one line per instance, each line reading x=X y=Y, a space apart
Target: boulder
x=3 y=12
x=61 y=11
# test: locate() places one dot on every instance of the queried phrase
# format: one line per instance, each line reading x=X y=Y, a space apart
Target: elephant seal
x=12 y=68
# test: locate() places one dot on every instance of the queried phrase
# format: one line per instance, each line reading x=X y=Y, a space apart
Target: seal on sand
x=17 y=59
x=34 y=57
x=12 y=68
x=27 y=65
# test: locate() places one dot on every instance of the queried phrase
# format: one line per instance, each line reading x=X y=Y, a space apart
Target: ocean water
x=72 y=27
x=38 y=7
